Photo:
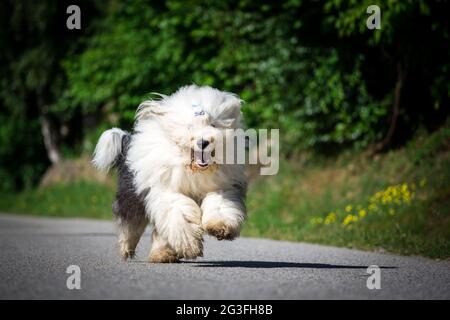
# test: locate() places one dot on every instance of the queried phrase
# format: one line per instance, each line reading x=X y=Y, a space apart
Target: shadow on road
x=275 y=264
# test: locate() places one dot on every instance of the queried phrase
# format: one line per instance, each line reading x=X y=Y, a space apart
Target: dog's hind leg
x=161 y=251
x=130 y=232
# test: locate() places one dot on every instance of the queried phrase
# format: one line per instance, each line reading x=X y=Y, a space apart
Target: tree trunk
x=395 y=109
x=49 y=129
x=50 y=135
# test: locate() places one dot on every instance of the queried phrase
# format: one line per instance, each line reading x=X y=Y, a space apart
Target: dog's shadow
x=274 y=264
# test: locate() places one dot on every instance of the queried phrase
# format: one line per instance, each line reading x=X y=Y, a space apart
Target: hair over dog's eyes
x=213 y=125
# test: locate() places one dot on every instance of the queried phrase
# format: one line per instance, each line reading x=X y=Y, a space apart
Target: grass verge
x=397 y=202
x=81 y=199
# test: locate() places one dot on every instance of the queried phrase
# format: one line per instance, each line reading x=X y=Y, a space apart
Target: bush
x=257 y=51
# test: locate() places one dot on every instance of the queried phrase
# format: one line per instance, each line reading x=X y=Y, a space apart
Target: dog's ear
x=230 y=111
x=150 y=108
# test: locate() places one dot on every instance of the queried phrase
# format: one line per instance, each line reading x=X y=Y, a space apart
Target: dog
x=169 y=176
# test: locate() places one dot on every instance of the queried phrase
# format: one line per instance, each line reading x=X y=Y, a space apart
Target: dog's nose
x=202 y=144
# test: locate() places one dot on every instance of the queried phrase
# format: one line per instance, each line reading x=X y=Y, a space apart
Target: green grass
x=294 y=204
x=81 y=199
x=286 y=206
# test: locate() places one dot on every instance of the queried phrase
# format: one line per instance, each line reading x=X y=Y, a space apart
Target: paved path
x=35 y=252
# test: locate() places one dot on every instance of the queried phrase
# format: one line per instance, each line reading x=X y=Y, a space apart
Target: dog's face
x=196 y=120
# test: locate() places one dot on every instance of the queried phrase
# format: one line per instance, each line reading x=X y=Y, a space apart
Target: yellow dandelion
x=348 y=208
x=394 y=192
x=330 y=218
x=407 y=196
x=349 y=219
x=362 y=213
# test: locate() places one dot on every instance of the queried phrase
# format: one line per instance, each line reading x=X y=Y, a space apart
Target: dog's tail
x=108 y=149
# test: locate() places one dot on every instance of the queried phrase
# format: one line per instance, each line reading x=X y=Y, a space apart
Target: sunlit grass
x=398 y=202
x=83 y=199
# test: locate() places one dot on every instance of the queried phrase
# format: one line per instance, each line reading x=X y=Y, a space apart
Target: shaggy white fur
x=173 y=158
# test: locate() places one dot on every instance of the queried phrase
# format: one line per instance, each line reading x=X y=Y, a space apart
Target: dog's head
x=195 y=120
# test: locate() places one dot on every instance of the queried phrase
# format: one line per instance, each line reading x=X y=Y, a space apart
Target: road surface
x=35 y=254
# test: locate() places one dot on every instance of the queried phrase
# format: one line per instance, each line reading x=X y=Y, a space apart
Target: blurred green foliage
x=34 y=41
x=254 y=50
x=310 y=68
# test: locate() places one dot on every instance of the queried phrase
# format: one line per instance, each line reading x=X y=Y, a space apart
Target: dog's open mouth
x=201 y=160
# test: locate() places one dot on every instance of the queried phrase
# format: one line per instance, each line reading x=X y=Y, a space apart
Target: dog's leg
x=223 y=214
x=177 y=219
x=130 y=231
x=161 y=251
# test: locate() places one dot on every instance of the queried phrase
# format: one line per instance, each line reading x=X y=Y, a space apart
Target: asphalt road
x=35 y=253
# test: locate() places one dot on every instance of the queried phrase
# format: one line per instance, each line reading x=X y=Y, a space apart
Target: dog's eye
x=213 y=125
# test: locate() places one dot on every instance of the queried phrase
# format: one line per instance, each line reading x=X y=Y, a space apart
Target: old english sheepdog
x=169 y=176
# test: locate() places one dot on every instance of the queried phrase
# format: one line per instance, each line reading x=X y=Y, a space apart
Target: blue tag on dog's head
x=198 y=110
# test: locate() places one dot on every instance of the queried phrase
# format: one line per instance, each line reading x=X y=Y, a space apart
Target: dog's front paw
x=163 y=255
x=223 y=214
x=222 y=230
x=189 y=244
x=186 y=234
